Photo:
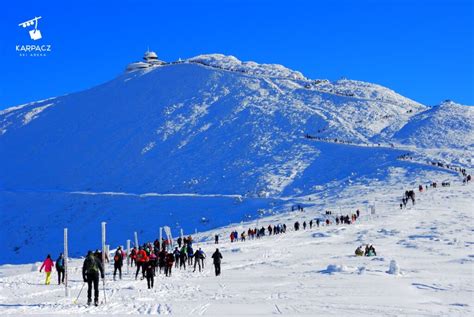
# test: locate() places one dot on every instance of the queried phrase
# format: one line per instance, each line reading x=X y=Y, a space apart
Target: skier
x=118 y=262
x=90 y=273
x=217 y=256
x=60 y=268
x=48 y=267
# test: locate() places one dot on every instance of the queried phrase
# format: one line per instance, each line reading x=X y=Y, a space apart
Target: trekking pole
x=75 y=301
x=105 y=298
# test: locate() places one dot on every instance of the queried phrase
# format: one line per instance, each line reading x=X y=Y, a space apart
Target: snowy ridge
x=233 y=64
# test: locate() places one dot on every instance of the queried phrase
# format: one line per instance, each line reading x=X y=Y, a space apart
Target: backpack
x=92 y=266
x=60 y=263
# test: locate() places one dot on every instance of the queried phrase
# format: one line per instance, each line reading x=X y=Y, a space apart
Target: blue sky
x=421 y=49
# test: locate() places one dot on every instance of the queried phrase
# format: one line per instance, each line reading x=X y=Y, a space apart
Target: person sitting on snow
x=359 y=252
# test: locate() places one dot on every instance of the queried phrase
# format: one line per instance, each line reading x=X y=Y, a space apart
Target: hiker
x=370 y=250
x=176 y=254
x=180 y=241
x=162 y=261
x=232 y=237
x=359 y=251
x=90 y=273
x=48 y=265
x=60 y=268
x=141 y=259
x=182 y=257
x=198 y=259
x=118 y=262
x=169 y=264
x=317 y=223
x=150 y=274
x=304 y=225
x=133 y=256
x=297 y=226
x=311 y=224
x=216 y=239
x=190 y=255
x=358 y=213
x=217 y=256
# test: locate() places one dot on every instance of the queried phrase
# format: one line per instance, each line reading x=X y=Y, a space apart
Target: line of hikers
x=149 y=258
x=256 y=233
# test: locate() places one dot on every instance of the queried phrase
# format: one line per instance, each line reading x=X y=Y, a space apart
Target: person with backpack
x=90 y=273
x=199 y=259
x=60 y=268
x=217 y=257
x=118 y=262
x=190 y=255
x=48 y=265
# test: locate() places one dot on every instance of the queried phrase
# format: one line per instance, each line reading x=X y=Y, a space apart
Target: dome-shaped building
x=150 y=60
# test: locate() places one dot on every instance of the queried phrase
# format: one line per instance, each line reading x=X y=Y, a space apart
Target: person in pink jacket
x=48 y=265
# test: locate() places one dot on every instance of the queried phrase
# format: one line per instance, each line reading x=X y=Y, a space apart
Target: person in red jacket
x=48 y=265
x=142 y=258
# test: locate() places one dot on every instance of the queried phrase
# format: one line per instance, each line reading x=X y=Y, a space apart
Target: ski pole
x=103 y=283
x=75 y=301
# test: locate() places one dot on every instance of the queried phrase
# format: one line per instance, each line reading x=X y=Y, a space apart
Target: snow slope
x=309 y=272
x=212 y=127
x=446 y=125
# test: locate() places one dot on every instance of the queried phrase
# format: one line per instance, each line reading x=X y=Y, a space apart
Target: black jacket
x=217 y=256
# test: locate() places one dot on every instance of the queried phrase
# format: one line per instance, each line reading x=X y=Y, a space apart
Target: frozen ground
x=310 y=272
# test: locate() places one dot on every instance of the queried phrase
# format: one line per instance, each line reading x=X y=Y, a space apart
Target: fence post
x=65 y=254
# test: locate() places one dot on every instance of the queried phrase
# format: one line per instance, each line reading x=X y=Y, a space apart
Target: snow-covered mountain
x=209 y=137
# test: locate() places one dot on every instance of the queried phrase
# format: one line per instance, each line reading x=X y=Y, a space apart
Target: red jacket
x=47 y=265
x=141 y=256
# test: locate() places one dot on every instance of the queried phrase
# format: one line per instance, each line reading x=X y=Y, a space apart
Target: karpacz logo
x=33 y=48
x=35 y=35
